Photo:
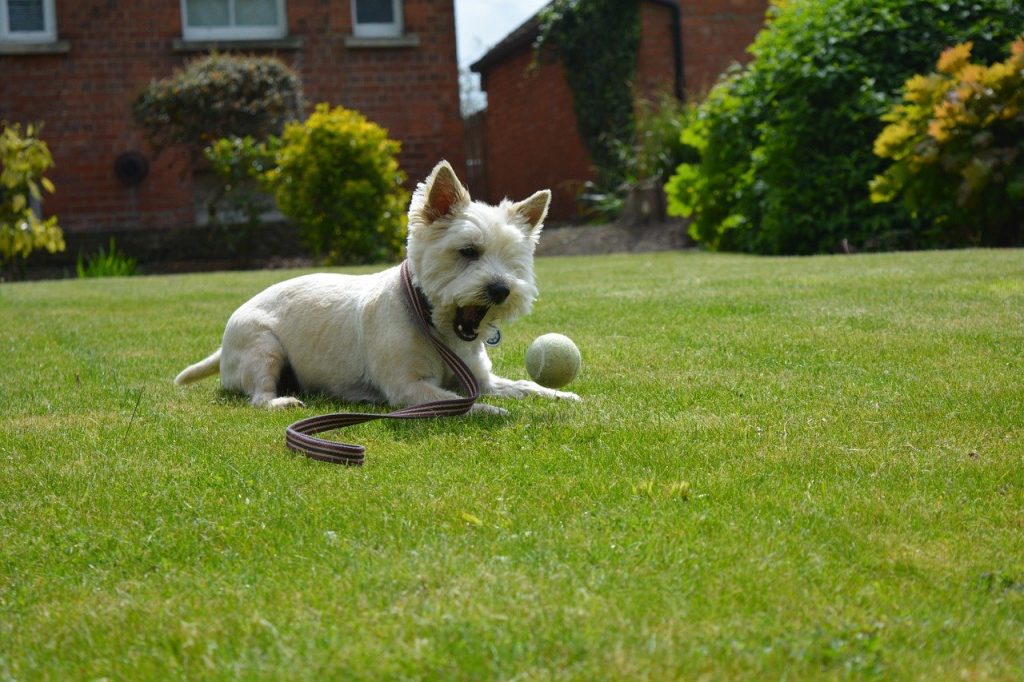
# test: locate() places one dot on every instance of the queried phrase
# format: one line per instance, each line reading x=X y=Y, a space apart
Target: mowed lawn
x=782 y=468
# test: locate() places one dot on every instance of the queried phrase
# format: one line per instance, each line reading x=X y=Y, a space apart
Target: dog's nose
x=497 y=292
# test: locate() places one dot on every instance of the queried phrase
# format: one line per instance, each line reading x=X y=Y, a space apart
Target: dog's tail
x=200 y=370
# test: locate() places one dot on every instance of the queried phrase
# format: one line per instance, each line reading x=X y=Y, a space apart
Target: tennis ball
x=553 y=360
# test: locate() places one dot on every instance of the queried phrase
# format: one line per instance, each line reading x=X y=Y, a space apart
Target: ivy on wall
x=597 y=42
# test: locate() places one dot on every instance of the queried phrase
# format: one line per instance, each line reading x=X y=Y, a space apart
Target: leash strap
x=301 y=436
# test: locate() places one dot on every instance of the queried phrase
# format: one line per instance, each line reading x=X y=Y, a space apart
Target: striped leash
x=301 y=437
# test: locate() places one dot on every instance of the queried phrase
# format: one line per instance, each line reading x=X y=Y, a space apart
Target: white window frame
x=395 y=29
x=231 y=32
x=47 y=35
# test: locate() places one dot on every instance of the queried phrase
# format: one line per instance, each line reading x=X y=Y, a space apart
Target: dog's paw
x=283 y=403
x=484 y=408
x=566 y=395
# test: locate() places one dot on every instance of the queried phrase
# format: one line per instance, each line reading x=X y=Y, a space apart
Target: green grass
x=782 y=468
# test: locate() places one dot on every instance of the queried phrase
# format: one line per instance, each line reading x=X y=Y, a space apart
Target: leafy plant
x=219 y=96
x=109 y=262
x=242 y=164
x=337 y=178
x=657 y=147
x=955 y=143
x=23 y=160
x=785 y=143
x=598 y=204
x=648 y=157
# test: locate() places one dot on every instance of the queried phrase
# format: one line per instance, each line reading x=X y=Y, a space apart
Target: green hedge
x=785 y=143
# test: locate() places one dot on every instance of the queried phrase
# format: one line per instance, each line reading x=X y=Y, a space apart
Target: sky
x=480 y=24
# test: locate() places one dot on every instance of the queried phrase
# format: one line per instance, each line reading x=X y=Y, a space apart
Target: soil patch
x=584 y=240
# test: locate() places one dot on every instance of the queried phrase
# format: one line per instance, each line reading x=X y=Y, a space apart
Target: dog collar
x=425 y=302
x=421 y=296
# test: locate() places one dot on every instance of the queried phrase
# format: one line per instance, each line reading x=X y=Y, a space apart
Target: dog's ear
x=533 y=210
x=441 y=195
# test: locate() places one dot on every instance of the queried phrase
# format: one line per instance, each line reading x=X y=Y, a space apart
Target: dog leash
x=300 y=436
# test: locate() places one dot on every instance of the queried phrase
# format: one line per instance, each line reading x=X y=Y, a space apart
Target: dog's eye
x=469 y=252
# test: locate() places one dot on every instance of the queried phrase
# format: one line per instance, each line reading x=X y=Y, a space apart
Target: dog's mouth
x=468 y=320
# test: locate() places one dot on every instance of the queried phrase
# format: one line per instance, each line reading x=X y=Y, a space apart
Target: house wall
x=716 y=33
x=531 y=134
x=655 y=59
x=531 y=140
x=84 y=96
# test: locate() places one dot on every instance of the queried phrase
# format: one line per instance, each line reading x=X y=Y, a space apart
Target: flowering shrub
x=219 y=96
x=956 y=148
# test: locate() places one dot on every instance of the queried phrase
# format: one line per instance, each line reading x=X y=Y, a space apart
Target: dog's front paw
x=566 y=395
x=283 y=403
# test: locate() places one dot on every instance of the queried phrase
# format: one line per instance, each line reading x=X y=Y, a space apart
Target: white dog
x=355 y=337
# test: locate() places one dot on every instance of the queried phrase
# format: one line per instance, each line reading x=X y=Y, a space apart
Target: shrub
x=658 y=148
x=785 y=143
x=956 y=148
x=646 y=159
x=337 y=178
x=241 y=163
x=23 y=160
x=109 y=262
x=219 y=96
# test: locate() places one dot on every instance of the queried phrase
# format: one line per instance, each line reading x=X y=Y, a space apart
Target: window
x=233 y=19
x=27 y=21
x=377 y=18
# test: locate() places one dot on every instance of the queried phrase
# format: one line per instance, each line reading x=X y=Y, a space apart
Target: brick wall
x=531 y=137
x=655 y=59
x=716 y=33
x=83 y=97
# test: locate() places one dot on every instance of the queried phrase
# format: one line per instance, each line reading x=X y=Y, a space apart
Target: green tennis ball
x=553 y=360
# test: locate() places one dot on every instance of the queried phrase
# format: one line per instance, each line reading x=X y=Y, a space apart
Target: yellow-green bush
x=957 y=151
x=338 y=179
x=23 y=160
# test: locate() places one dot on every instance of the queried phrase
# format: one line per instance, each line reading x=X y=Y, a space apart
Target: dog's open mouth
x=468 y=320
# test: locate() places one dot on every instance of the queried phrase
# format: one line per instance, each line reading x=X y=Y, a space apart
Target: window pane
x=256 y=12
x=202 y=13
x=25 y=15
x=375 y=11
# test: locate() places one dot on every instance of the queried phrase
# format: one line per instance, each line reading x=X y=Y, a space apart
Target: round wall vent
x=131 y=168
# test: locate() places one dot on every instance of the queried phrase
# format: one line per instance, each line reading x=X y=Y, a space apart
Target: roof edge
x=523 y=36
x=526 y=35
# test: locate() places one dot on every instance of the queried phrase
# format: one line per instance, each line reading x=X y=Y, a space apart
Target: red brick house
x=530 y=137
x=77 y=65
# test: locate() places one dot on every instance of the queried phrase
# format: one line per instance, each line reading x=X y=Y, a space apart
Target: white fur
x=354 y=337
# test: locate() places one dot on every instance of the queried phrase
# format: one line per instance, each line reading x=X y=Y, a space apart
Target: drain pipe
x=677 y=48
